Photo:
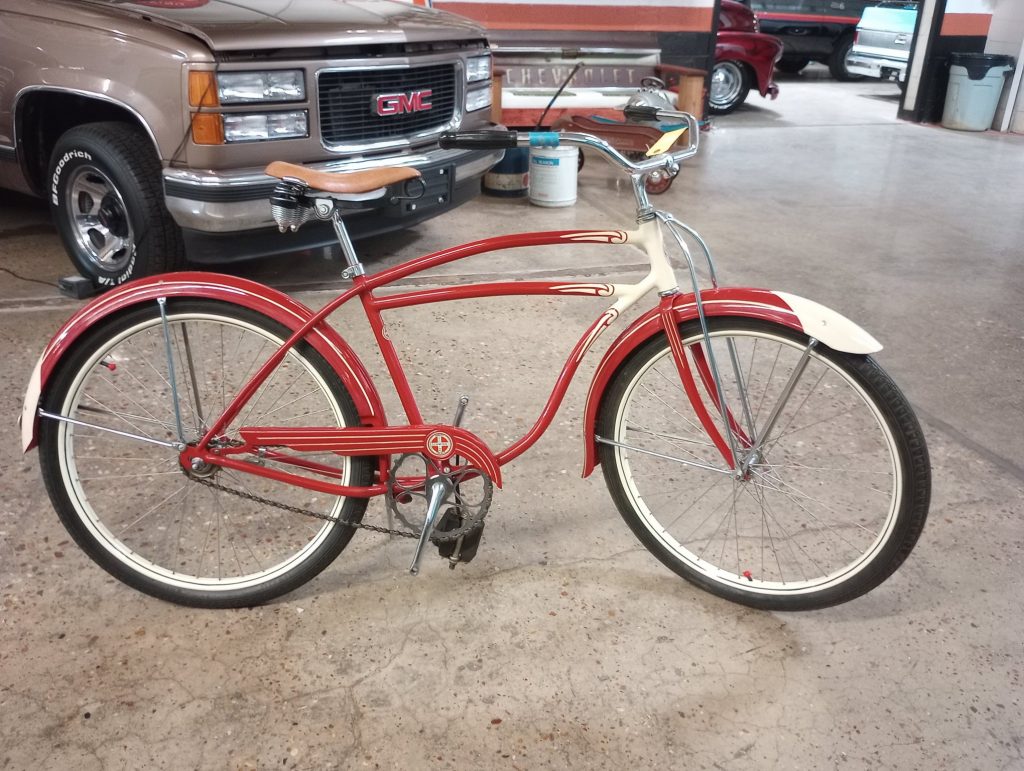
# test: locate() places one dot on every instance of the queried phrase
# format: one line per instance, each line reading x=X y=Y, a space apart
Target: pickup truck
x=812 y=30
x=146 y=125
x=881 y=48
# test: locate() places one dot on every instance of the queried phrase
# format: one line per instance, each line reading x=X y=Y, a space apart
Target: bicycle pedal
x=462 y=549
x=470 y=544
x=448 y=522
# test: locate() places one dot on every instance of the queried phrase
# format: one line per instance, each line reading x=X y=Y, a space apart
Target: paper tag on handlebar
x=544 y=139
x=664 y=144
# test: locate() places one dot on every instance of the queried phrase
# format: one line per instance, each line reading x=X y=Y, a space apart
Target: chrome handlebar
x=499 y=140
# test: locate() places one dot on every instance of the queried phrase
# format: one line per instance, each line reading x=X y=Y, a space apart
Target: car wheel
x=837 y=61
x=730 y=83
x=792 y=66
x=106 y=197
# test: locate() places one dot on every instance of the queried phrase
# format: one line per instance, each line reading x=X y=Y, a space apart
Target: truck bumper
x=208 y=248
x=877 y=66
x=219 y=202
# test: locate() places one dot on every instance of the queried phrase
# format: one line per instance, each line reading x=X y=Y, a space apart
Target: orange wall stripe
x=966 y=24
x=584 y=17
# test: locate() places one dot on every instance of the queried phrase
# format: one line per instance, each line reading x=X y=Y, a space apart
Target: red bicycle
x=213 y=442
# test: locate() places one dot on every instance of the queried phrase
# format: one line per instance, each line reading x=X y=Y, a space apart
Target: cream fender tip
x=27 y=419
x=830 y=327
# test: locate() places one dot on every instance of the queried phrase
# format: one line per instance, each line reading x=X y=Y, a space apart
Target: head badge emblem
x=440 y=445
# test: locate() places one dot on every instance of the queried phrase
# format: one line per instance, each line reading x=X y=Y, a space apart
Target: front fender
x=238 y=291
x=831 y=328
x=755 y=49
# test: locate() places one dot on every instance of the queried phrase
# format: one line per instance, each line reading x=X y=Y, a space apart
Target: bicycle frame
x=384 y=441
x=674 y=308
x=191 y=337
x=442 y=442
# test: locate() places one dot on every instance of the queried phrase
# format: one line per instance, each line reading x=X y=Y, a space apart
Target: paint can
x=553 y=176
x=509 y=178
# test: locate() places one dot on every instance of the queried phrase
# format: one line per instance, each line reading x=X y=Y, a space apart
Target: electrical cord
x=176 y=155
x=33 y=280
x=558 y=93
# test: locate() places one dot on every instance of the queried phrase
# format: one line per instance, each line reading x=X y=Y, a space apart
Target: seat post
x=355 y=267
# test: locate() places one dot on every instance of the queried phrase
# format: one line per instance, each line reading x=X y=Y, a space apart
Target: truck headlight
x=272 y=86
x=254 y=127
x=478 y=68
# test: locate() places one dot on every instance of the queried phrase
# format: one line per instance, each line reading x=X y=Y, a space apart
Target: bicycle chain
x=435 y=537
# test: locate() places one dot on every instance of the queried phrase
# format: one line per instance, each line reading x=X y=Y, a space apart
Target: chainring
x=465 y=506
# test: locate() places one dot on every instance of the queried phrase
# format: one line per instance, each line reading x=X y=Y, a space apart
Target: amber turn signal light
x=202 y=89
x=207 y=128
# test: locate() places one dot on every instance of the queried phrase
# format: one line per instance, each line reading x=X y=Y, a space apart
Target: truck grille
x=348 y=103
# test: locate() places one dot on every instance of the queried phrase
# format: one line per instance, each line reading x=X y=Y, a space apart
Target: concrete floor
x=565 y=644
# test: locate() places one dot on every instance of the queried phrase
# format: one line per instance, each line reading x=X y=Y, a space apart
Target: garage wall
x=604 y=15
x=943 y=27
x=1006 y=36
x=603 y=46
x=682 y=29
x=967 y=18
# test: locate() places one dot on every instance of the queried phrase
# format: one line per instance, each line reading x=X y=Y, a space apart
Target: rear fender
x=238 y=291
x=824 y=324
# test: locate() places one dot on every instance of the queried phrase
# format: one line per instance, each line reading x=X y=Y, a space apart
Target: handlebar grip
x=641 y=112
x=478 y=140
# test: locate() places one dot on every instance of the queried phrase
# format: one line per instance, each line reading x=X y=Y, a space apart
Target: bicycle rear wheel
x=129 y=504
x=831 y=507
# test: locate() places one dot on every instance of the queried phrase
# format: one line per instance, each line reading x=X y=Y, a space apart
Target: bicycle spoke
x=156 y=506
x=790 y=541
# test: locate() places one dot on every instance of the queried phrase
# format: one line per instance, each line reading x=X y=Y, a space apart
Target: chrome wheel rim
x=726 y=80
x=99 y=220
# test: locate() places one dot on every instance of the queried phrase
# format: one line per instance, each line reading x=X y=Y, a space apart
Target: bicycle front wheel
x=209 y=537
x=833 y=500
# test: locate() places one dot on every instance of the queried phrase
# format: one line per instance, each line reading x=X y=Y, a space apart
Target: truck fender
x=237 y=291
x=811 y=318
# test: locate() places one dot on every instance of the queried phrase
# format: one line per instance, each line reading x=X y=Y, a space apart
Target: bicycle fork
x=739 y=449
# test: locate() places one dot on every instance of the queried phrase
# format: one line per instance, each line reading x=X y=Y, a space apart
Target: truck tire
x=106 y=197
x=837 y=61
x=730 y=82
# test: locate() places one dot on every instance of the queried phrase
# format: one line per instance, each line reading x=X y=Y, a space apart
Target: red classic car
x=744 y=59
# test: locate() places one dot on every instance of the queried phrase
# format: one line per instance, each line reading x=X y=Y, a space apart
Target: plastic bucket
x=553 y=176
x=510 y=176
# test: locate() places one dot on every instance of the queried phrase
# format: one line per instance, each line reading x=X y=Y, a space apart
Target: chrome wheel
x=729 y=86
x=99 y=219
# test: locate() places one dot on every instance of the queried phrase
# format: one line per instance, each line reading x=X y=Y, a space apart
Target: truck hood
x=227 y=25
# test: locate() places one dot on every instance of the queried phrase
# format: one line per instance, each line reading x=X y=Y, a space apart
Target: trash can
x=975 y=84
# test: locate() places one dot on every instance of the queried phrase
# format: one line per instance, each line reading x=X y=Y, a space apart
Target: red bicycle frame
x=385 y=441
